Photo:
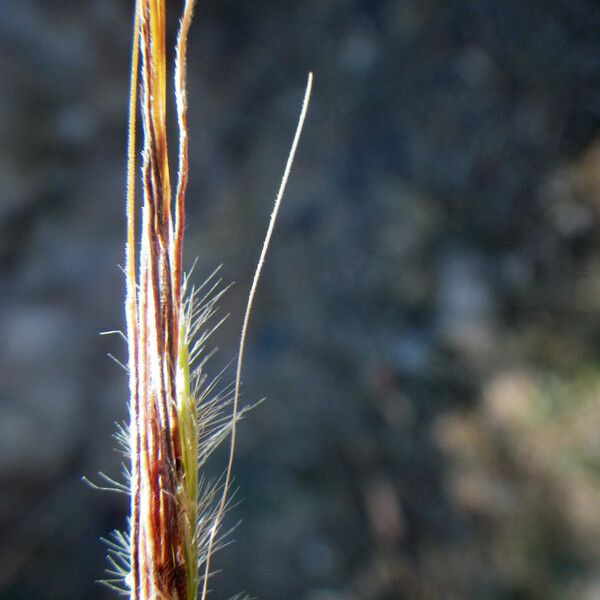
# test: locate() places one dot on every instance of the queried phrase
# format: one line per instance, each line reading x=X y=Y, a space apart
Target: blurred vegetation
x=428 y=330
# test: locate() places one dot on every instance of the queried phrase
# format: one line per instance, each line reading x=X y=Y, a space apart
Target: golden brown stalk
x=160 y=532
x=175 y=418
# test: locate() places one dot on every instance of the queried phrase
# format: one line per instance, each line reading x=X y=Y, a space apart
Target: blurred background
x=427 y=332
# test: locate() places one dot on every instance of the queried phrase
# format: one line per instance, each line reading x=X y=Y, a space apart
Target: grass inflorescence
x=177 y=417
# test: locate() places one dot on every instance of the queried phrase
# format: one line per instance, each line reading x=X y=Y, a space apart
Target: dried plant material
x=176 y=417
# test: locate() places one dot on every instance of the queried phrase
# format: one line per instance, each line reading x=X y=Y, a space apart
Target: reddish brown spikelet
x=174 y=520
x=154 y=309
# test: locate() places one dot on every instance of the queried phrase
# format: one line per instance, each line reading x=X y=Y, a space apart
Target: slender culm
x=163 y=500
x=176 y=418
